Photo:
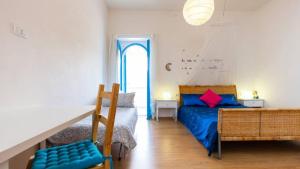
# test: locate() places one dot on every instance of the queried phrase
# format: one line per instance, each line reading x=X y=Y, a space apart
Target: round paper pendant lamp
x=198 y=12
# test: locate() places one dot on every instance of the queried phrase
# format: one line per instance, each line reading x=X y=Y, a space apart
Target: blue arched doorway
x=124 y=48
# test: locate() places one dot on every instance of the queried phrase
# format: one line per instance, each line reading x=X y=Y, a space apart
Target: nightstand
x=254 y=103
x=166 y=104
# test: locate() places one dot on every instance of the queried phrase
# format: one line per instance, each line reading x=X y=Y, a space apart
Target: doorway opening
x=133 y=71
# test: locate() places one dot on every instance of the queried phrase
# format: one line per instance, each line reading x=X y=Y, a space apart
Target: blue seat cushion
x=79 y=155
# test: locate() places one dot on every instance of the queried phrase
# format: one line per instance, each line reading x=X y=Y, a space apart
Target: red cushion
x=211 y=98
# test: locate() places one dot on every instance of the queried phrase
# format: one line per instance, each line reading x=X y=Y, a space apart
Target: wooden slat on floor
x=168 y=145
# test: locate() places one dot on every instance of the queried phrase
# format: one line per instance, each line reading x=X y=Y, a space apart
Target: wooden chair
x=83 y=154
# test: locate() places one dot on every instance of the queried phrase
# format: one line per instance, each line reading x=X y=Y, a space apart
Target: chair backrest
x=109 y=121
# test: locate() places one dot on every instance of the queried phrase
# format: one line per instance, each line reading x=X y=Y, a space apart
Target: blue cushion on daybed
x=80 y=155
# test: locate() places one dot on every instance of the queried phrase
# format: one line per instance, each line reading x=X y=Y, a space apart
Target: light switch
x=18 y=31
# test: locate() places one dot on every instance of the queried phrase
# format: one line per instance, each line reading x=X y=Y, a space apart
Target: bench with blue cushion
x=79 y=155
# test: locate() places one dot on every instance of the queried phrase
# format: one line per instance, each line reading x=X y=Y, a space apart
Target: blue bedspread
x=202 y=123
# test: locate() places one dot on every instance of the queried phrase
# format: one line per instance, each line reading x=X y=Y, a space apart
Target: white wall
x=269 y=57
x=246 y=55
x=63 y=59
x=215 y=40
x=278 y=76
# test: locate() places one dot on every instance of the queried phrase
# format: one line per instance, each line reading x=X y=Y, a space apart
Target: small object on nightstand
x=255 y=94
x=166 y=104
x=253 y=103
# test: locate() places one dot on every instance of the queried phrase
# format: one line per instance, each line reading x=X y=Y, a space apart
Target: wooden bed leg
x=120 y=151
x=219 y=147
x=125 y=152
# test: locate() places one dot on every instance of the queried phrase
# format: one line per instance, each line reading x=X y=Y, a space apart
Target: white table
x=166 y=104
x=254 y=103
x=22 y=128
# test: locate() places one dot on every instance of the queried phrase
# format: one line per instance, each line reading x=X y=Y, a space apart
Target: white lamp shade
x=198 y=12
x=167 y=95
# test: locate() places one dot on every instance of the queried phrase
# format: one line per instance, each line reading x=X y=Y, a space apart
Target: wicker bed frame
x=250 y=124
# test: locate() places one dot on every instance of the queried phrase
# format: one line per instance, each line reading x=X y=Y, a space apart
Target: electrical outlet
x=18 y=31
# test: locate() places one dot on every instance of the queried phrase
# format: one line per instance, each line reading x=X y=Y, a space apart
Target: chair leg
x=219 y=147
x=108 y=164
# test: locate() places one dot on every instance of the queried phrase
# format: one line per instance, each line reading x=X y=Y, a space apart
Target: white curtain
x=113 y=62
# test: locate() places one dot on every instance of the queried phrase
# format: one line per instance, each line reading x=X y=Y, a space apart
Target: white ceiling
x=231 y=5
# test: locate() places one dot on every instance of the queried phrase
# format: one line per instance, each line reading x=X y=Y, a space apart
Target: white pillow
x=124 y=100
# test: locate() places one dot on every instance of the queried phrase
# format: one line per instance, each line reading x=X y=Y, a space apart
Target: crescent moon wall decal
x=168 y=67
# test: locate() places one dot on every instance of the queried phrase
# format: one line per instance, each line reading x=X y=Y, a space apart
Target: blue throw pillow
x=228 y=100
x=192 y=100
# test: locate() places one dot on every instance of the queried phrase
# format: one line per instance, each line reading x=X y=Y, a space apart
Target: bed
x=202 y=122
x=236 y=123
x=125 y=122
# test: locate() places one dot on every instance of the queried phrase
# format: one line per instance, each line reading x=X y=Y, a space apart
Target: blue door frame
x=123 y=69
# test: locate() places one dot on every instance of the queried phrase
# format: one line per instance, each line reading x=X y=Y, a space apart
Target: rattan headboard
x=220 y=89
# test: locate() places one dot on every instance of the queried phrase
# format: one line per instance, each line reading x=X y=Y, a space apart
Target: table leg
x=4 y=165
x=157 y=114
x=176 y=114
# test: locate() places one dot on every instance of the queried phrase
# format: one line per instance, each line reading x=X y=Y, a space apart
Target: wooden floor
x=168 y=145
